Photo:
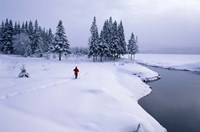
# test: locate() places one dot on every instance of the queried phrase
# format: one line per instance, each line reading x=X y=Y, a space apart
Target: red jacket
x=76 y=70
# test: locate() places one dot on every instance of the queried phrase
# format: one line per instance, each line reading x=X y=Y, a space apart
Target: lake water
x=175 y=100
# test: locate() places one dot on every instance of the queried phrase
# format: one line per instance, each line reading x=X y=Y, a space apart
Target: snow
x=187 y=62
x=104 y=98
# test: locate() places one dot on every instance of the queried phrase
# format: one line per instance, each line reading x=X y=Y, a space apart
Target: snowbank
x=104 y=98
x=185 y=62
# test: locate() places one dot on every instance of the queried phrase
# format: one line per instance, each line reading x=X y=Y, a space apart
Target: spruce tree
x=23 y=28
x=1 y=36
x=18 y=28
x=30 y=30
x=115 y=48
x=21 y=44
x=8 y=37
x=61 y=43
x=50 y=40
x=110 y=35
x=44 y=35
x=26 y=26
x=132 y=46
x=121 y=37
x=105 y=39
x=23 y=72
x=15 y=29
x=38 y=42
x=36 y=39
x=103 y=47
x=93 y=41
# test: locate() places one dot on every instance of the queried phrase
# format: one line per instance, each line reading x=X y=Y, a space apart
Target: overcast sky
x=157 y=23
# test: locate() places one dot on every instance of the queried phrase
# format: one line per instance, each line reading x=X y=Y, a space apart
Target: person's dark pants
x=76 y=75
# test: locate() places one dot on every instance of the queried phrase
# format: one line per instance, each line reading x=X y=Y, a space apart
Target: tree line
x=28 y=39
x=110 y=43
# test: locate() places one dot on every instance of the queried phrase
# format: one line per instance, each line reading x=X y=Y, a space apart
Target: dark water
x=175 y=100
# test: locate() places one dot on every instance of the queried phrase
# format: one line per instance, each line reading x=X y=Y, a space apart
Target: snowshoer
x=76 y=72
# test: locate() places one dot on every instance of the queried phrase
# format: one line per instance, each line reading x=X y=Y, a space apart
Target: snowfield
x=104 y=98
x=186 y=62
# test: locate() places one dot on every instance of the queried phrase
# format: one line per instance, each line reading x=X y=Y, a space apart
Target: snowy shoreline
x=181 y=62
x=104 y=98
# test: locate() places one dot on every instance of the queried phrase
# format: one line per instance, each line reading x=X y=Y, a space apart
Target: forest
x=28 y=39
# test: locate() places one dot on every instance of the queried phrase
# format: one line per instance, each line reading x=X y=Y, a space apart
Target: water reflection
x=175 y=100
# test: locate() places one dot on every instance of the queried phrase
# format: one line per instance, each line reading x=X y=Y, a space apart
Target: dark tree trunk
x=101 y=58
x=93 y=59
x=59 y=56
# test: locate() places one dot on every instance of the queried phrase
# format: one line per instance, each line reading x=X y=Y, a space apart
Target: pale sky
x=157 y=23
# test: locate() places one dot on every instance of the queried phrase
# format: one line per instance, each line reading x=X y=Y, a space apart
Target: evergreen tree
x=15 y=29
x=30 y=30
x=36 y=39
x=26 y=26
x=105 y=39
x=61 y=43
x=21 y=44
x=8 y=37
x=44 y=36
x=103 y=47
x=110 y=35
x=115 y=48
x=38 y=42
x=18 y=28
x=121 y=37
x=50 y=40
x=1 y=36
x=132 y=46
x=93 y=41
x=23 y=28
x=23 y=72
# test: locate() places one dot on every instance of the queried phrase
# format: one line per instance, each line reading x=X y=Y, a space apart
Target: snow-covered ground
x=186 y=62
x=104 y=98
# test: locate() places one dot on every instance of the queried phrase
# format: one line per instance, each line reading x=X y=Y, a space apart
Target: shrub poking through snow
x=23 y=72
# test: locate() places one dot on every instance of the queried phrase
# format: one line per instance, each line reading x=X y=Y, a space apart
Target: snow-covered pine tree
x=18 y=28
x=23 y=72
x=121 y=37
x=35 y=38
x=15 y=29
x=110 y=35
x=30 y=31
x=115 y=47
x=26 y=26
x=50 y=40
x=23 y=28
x=61 y=43
x=8 y=37
x=45 y=38
x=1 y=36
x=39 y=43
x=103 y=46
x=93 y=41
x=105 y=38
x=21 y=44
x=132 y=46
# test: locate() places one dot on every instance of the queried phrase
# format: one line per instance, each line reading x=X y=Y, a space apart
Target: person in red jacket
x=76 y=72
